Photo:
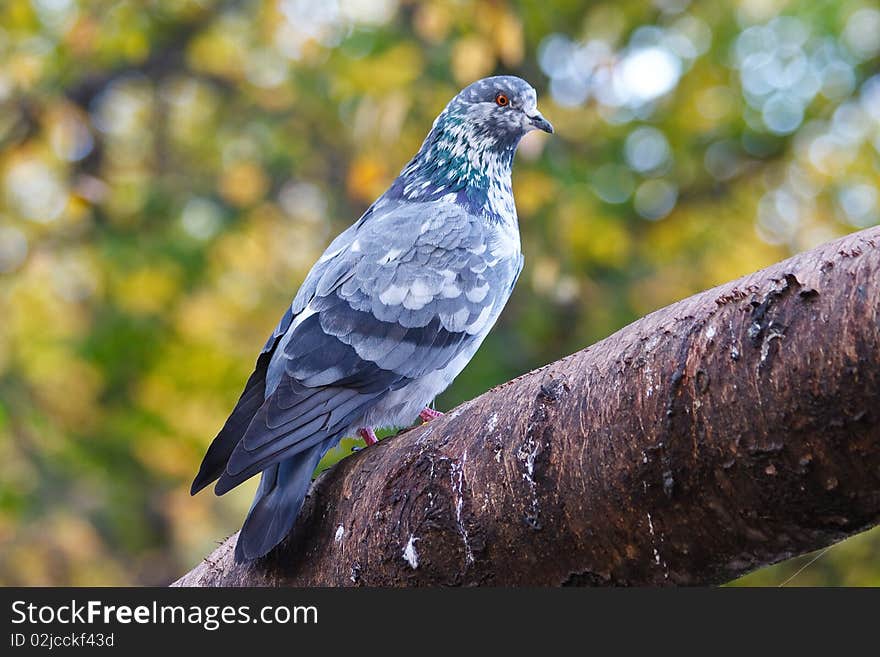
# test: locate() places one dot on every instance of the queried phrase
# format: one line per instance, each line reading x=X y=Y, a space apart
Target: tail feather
x=283 y=488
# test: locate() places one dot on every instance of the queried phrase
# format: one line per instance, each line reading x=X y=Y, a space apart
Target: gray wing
x=394 y=298
x=249 y=403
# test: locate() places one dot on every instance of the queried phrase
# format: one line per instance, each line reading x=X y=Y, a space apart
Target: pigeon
x=389 y=314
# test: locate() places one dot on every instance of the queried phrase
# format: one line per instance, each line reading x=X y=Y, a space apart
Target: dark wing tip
x=199 y=482
x=224 y=484
x=212 y=468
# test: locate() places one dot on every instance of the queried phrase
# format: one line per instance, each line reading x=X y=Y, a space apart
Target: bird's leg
x=368 y=435
x=429 y=414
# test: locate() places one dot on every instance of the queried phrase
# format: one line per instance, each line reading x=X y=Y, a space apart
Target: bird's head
x=469 y=151
x=500 y=109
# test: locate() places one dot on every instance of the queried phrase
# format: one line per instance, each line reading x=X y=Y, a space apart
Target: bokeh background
x=170 y=169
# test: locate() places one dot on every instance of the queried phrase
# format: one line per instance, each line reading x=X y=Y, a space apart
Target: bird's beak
x=538 y=122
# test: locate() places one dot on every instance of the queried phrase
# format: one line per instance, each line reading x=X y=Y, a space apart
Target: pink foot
x=368 y=435
x=429 y=414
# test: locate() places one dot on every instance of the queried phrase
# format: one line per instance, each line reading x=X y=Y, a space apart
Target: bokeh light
x=169 y=173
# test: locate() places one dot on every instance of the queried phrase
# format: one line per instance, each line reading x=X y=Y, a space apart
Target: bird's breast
x=503 y=241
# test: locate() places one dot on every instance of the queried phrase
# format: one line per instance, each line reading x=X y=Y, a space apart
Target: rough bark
x=725 y=432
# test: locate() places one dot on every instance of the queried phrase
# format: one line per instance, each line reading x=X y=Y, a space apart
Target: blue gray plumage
x=389 y=315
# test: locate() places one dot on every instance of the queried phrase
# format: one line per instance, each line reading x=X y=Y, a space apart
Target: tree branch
x=728 y=431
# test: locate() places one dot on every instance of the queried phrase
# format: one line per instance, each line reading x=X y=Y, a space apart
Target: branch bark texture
x=728 y=431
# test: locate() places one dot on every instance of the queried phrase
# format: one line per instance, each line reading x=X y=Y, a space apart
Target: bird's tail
x=276 y=505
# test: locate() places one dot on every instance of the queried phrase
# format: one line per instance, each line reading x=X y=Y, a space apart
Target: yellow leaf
x=147 y=290
x=243 y=184
x=367 y=178
x=472 y=59
x=509 y=41
x=432 y=21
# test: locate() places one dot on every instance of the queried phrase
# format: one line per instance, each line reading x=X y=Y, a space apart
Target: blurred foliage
x=169 y=170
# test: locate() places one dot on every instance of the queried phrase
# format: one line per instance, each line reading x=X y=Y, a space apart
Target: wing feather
x=396 y=297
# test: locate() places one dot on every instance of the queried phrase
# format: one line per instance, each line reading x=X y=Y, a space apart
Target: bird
x=388 y=316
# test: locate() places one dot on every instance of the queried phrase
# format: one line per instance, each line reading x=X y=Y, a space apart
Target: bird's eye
x=501 y=100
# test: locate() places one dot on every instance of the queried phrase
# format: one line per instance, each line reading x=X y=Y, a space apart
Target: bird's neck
x=456 y=164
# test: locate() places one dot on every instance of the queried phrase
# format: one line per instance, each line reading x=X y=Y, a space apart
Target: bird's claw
x=428 y=414
x=368 y=435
